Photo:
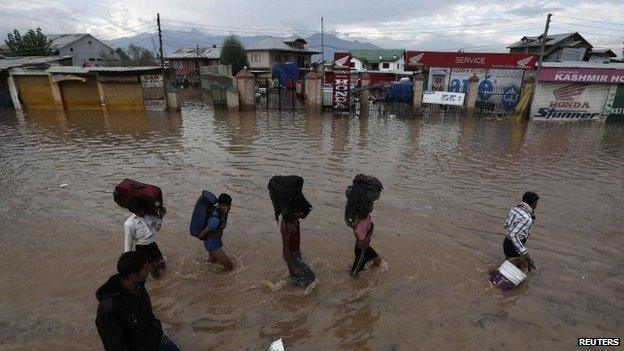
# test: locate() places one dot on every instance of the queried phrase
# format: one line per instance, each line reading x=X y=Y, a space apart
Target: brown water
x=449 y=183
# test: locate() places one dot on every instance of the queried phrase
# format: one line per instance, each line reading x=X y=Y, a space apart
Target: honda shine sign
x=342 y=81
x=469 y=60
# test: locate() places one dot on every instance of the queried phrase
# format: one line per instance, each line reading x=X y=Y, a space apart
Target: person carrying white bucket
x=518 y=224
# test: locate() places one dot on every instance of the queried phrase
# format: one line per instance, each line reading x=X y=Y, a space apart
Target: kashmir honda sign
x=592 y=75
x=569 y=101
x=469 y=60
x=342 y=81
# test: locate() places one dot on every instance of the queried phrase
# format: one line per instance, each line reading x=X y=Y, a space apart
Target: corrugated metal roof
x=60 y=41
x=380 y=55
x=190 y=53
x=85 y=70
x=551 y=39
x=276 y=44
x=14 y=62
x=583 y=64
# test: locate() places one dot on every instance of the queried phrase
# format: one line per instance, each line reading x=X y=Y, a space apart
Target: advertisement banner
x=614 y=108
x=569 y=101
x=342 y=81
x=153 y=92
x=443 y=98
x=469 y=60
x=496 y=87
x=591 y=75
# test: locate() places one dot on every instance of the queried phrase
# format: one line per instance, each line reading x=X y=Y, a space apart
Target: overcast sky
x=473 y=25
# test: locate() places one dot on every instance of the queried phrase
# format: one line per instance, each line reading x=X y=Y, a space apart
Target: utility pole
x=322 y=44
x=542 y=48
x=162 y=57
x=197 y=61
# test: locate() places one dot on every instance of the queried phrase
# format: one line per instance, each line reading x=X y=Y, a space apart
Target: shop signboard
x=614 y=107
x=590 y=75
x=342 y=81
x=569 y=101
x=443 y=98
x=469 y=60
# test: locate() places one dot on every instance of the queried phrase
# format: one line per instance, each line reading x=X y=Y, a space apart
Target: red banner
x=469 y=60
x=342 y=81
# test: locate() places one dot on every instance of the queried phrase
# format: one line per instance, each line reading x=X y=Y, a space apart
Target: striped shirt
x=518 y=224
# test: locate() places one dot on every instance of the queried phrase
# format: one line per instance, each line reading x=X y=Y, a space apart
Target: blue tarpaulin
x=401 y=92
x=285 y=72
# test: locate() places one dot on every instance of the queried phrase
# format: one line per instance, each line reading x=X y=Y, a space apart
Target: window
x=385 y=65
x=255 y=57
x=89 y=42
x=177 y=64
x=71 y=49
x=195 y=65
x=352 y=64
x=374 y=67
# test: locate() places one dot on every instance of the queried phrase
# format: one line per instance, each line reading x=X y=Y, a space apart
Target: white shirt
x=518 y=224
x=140 y=231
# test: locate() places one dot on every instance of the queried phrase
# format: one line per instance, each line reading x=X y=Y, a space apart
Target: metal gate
x=498 y=101
x=271 y=95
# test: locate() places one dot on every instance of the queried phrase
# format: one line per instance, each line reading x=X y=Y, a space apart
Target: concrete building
x=86 y=49
x=383 y=60
x=263 y=55
x=601 y=56
x=558 y=47
x=185 y=63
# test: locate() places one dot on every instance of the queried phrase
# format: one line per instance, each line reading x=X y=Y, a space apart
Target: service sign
x=590 y=75
x=443 y=98
x=569 y=101
x=469 y=60
x=342 y=81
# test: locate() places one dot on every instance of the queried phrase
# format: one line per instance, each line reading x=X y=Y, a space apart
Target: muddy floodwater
x=449 y=182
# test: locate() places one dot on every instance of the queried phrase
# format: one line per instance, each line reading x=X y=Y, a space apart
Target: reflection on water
x=448 y=183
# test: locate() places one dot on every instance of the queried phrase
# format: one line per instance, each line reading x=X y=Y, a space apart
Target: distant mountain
x=174 y=40
x=333 y=43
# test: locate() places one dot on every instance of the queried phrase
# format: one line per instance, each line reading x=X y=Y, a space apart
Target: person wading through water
x=360 y=198
x=289 y=202
x=518 y=223
x=125 y=319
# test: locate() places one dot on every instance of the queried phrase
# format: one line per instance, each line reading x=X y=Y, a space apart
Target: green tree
x=132 y=56
x=233 y=53
x=33 y=43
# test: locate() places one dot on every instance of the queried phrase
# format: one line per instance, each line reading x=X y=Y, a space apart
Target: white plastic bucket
x=511 y=272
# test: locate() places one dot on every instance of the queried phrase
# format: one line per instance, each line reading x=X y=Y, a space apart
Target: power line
x=598 y=34
x=586 y=26
x=591 y=20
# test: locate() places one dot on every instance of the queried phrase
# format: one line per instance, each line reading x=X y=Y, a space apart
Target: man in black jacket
x=125 y=320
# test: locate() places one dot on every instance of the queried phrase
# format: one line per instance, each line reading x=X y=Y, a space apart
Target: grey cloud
x=531 y=11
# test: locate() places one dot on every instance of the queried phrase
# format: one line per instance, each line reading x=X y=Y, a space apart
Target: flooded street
x=448 y=185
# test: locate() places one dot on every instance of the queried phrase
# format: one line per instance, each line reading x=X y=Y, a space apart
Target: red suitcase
x=129 y=189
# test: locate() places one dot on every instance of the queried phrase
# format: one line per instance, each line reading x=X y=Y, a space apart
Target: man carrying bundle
x=289 y=202
x=360 y=198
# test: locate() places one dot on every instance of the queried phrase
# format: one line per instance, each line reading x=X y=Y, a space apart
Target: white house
x=382 y=60
x=85 y=48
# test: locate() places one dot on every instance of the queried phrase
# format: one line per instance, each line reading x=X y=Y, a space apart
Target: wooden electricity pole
x=543 y=46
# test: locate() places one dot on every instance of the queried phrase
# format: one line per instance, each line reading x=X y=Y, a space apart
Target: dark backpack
x=204 y=206
x=360 y=196
x=286 y=194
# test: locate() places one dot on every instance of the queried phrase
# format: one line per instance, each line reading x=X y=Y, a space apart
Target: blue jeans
x=167 y=345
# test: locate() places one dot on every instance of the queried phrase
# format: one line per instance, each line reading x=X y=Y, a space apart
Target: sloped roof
x=60 y=41
x=379 y=55
x=551 y=39
x=192 y=53
x=14 y=62
x=276 y=44
x=602 y=51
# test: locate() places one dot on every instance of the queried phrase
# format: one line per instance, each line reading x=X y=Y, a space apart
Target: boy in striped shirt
x=518 y=224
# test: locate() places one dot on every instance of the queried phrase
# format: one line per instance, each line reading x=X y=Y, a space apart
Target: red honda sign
x=469 y=60
x=342 y=80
